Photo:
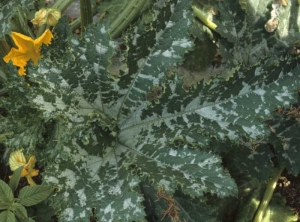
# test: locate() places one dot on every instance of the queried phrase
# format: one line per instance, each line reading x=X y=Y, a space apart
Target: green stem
x=62 y=5
x=129 y=13
x=4 y=48
x=76 y=23
x=203 y=18
x=23 y=22
x=86 y=14
x=267 y=196
x=41 y=30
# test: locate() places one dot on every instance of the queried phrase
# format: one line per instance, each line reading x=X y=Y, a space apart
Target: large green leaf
x=87 y=100
x=101 y=137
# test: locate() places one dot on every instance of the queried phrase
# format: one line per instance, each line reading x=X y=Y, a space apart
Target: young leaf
x=19 y=211
x=7 y=216
x=31 y=195
x=6 y=195
x=14 y=181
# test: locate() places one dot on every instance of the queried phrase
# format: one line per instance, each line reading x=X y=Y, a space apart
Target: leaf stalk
x=267 y=195
x=200 y=15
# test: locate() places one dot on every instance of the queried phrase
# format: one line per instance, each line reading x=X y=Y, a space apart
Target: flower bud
x=53 y=16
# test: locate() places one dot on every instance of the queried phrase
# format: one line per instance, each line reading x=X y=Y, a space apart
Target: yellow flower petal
x=30 y=180
x=16 y=160
x=27 y=49
x=31 y=162
x=34 y=173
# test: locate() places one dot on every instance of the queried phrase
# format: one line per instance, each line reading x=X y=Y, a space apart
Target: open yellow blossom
x=28 y=48
x=46 y=16
x=17 y=159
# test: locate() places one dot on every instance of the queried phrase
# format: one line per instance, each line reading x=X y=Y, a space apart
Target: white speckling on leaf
x=184 y=43
x=173 y=152
x=51 y=179
x=128 y=204
x=165 y=184
x=107 y=209
x=167 y=54
x=70 y=178
x=66 y=195
x=83 y=57
x=260 y=92
x=68 y=214
x=82 y=214
x=103 y=30
x=101 y=49
x=75 y=41
x=116 y=190
x=208 y=161
x=245 y=89
x=169 y=24
x=252 y=131
x=55 y=70
x=82 y=197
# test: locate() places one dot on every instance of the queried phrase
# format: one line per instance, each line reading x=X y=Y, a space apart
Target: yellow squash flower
x=46 y=16
x=28 y=48
x=17 y=159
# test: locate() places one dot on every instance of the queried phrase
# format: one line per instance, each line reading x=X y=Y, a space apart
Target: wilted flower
x=40 y=17
x=46 y=16
x=17 y=159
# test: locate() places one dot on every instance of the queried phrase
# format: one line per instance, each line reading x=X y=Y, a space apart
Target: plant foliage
x=102 y=134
